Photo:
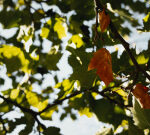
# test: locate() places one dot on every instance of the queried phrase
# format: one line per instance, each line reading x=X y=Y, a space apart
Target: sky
x=83 y=125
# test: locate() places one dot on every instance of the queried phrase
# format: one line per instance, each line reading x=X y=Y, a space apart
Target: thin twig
x=112 y=100
x=38 y=122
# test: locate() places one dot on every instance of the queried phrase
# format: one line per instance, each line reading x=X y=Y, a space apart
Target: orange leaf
x=104 y=20
x=141 y=93
x=102 y=62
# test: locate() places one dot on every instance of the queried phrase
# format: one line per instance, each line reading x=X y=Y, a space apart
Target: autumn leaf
x=141 y=93
x=104 y=20
x=102 y=62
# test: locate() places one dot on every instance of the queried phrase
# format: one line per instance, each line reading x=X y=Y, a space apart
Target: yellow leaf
x=17 y=58
x=14 y=94
x=140 y=60
x=21 y=2
x=45 y=32
x=41 y=11
x=32 y=98
x=59 y=28
x=146 y=17
x=104 y=20
x=85 y=111
x=77 y=40
x=42 y=105
x=48 y=114
x=102 y=62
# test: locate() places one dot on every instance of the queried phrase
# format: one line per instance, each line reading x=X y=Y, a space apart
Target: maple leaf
x=104 y=20
x=102 y=62
x=141 y=93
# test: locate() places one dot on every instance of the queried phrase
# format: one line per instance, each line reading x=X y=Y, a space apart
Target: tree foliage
x=81 y=32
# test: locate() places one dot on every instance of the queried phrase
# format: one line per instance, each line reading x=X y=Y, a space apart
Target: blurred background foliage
x=68 y=28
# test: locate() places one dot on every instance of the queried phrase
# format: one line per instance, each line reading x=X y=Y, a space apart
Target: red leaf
x=104 y=20
x=141 y=93
x=102 y=62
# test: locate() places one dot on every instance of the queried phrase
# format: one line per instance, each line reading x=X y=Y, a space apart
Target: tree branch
x=57 y=102
x=19 y=106
x=60 y=101
x=123 y=42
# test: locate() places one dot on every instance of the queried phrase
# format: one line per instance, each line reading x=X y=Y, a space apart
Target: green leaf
x=52 y=131
x=14 y=58
x=141 y=116
x=4 y=107
x=50 y=60
x=66 y=87
x=134 y=130
x=2 y=81
x=79 y=61
x=107 y=112
x=29 y=121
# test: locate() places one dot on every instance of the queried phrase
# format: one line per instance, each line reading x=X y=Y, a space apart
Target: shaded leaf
x=52 y=131
x=79 y=61
x=141 y=116
x=108 y=112
x=104 y=20
x=141 y=93
x=134 y=130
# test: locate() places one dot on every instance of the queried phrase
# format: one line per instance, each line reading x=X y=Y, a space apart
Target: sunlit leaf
x=14 y=58
x=32 y=98
x=140 y=59
x=14 y=93
x=48 y=114
x=21 y=2
x=45 y=32
x=77 y=40
x=105 y=131
x=101 y=61
x=85 y=111
x=59 y=28
x=145 y=19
